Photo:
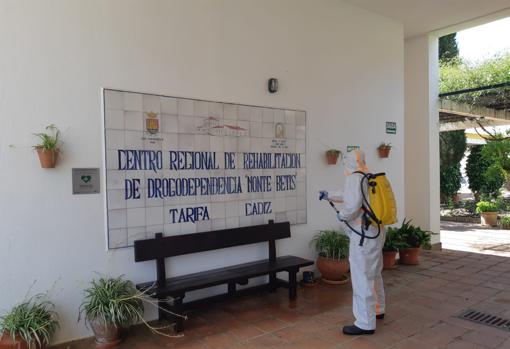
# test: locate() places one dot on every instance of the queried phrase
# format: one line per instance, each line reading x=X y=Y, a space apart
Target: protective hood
x=354 y=161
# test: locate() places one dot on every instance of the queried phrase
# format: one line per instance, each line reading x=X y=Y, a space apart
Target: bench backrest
x=169 y=246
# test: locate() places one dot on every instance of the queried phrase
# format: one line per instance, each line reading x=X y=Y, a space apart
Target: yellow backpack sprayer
x=379 y=208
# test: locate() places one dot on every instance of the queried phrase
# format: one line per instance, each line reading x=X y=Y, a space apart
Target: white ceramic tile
x=300 y=132
x=154 y=215
x=255 y=129
x=135 y=217
x=188 y=228
x=134 y=140
x=153 y=144
x=216 y=110
x=217 y=210
x=256 y=145
x=290 y=131
x=133 y=101
x=268 y=131
x=300 y=147
x=134 y=120
x=113 y=99
x=292 y=217
x=136 y=233
x=290 y=117
x=301 y=203
x=218 y=224
x=258 y=220
x=300 y=118
x=279 y=115
x=186 y=143
x=168 y=105
x=152 y=230
x=140 y=201
x=280 y=217
x=185 y=106
x=114 y=119
x=117 y=238
x=216 y=143
x=170 y=123
x=187 y=124
x=201 y=108
x=170 y=142
x=268 y=115
x=245 y=221
x=243 y=112
x=230 y=111
x=232 y=208
x=114 y=139
x=279 y=204
x=290 y=203
x=256 y=114
x=111 y=159
x=151 y=103
x=172 y=229
x=203 y=226
x=116 y=199
x=230 y=144
x=153 y=201
x=202 y=142
x=116 y=219
x=115 y=179
x=232 y=222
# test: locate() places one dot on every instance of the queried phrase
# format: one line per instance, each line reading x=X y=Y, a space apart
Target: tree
x=452 y=146
x=450 y=181
x=494 y=179
x=448 y=49
x=476 y=167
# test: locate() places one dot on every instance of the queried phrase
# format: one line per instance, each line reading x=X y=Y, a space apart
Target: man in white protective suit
x=365 y=259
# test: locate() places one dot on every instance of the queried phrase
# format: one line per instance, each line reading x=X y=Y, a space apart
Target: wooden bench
x=175 y=288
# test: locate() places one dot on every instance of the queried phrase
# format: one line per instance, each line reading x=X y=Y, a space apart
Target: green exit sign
x=391 y=127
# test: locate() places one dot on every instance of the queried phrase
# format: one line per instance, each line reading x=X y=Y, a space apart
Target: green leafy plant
x=393 y=240
x=450 y=181
x=476 y=166
x=486 y=206
x=112 y=301
x=384 y=146
x=494 y=178
x=331 y=244
x=49 y=141
x=413 y=236
x=34 y=320
x=505 y=221
x=333 y=152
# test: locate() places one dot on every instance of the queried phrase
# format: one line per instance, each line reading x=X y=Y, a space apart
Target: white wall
x=341 y=64
x=422 y=133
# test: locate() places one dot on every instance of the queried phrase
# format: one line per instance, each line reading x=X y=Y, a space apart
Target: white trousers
x=367 y=283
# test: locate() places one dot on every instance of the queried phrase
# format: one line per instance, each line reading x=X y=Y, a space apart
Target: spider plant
x=34 y=321
x=111 y=302
x=331 y=244
x=49 y=141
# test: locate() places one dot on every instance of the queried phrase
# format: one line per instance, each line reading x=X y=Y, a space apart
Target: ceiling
x=423 y=16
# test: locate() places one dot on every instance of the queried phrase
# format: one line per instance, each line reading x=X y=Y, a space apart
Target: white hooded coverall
x=365 y=261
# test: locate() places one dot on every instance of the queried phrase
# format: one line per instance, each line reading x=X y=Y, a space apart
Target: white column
x=422 y=133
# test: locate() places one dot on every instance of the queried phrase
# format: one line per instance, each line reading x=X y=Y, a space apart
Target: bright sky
x=484 y=41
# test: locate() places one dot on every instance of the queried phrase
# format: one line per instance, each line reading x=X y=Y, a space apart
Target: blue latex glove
x=323 y=195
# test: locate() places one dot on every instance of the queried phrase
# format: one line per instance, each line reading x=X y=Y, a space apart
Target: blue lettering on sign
x=189 y=214
x=140 y=160
x=285 y=182
x=256 y=208
x=131 y=189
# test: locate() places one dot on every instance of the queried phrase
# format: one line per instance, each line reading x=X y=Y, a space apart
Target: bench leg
x=177 y=308
x=162 y=306
x=272 y=282
x=292 y=284
x=231 y=289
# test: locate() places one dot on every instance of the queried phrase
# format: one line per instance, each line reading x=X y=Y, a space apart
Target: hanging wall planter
x=48 y=149
x=384 y=150
x=332 y=156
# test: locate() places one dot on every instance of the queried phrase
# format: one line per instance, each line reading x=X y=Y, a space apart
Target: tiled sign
x=180 y=166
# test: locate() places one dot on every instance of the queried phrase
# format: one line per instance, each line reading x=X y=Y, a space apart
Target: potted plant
x=505 y=222
x=49 y=147
x=29 y=325
x=392 y=243
x=111 y=304
x=488 y=212
x=332 y=156
x=333 y=250
x=412 y=239
x=384 y=150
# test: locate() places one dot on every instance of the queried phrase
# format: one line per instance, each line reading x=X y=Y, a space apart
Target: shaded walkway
x=475 y=238
x=422 y=304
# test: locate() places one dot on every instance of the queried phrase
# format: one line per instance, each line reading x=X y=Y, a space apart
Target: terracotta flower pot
x=106 y=336
x=389 y=259
x=47 y=158
x=489 y=218
x=409 y=256
x=332 y=158
x=384 y=152
x=333 y=270
x=6 y=342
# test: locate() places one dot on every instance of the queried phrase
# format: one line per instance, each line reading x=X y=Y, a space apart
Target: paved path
x=475 y=238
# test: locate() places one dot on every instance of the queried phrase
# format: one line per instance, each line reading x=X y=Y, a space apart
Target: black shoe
x=353 y=330
x=379 y=316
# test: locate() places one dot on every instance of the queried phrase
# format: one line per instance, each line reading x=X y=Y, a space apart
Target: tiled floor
x=422 y=302
x=475 y=238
